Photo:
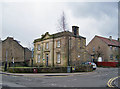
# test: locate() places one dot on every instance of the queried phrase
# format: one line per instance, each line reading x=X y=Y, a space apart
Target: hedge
x=83 y=68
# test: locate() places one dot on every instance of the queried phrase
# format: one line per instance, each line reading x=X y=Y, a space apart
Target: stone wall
x=12 y=49
x=72 y=48
x=77 y=51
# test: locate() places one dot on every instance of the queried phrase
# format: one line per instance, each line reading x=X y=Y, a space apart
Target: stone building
x=60 y=49
x=106 y=48
x=12 y=51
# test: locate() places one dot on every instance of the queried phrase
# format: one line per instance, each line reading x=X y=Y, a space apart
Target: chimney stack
x=119 y=39
x=75 y=30
x=110 y=37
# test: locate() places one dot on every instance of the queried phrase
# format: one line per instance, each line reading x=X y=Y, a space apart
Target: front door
x=46 y=59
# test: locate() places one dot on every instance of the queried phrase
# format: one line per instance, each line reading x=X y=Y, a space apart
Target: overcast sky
x=26 y=21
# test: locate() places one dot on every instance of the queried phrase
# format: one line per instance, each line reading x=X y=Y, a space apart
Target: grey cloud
x=104 y=13
x=94 y=9
x=26 y=21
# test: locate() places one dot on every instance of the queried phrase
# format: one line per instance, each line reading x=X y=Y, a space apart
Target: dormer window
x=58 y=43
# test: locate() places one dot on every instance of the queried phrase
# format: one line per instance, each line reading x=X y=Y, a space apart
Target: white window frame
x=38 y=47
x=58 y=58
x=111 y=47
x=38 y=58
x=116 y=48
x=93 y=49
x=58 y=43
x=111 y=56
x=47 y=45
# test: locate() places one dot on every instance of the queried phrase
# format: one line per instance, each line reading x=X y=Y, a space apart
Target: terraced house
x=60 y=49
x=106 y=48
x=13 y=51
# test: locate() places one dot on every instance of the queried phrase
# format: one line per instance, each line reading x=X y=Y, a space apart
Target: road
x=116 y=82
x=97 y=78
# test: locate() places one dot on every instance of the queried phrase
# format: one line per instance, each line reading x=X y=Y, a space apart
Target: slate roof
x=111 y=42
x=56 y=35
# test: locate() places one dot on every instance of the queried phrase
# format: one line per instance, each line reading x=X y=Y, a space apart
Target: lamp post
x=6 y=61
x=13 y=64
x=32 y=57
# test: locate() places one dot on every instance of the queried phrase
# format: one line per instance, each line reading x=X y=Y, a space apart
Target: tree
x=62 y=25
x=116 y=53
x=98 y=53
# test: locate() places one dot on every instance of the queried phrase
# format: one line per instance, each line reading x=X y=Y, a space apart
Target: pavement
x=44 y=74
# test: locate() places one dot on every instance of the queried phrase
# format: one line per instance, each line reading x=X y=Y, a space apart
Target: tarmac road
x=97 y=78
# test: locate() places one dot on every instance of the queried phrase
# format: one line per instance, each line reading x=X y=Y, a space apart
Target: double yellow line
x=109 y=83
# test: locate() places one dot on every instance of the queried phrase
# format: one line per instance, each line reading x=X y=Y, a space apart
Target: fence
x=107 y=64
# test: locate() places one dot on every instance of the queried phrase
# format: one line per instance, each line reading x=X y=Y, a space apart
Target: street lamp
x=13 y=61
x=13 y=64
x=6 y=61
x=32 y=57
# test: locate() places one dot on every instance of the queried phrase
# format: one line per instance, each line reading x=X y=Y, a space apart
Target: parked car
x=91 y=63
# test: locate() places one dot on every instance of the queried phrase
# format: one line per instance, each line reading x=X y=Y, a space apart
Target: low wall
x=50 y=69
x=107 y=64
x=38 y=70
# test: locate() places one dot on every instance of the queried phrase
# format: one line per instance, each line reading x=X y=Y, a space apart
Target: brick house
x=107 y=48
x=14 y=51
x=60 y=49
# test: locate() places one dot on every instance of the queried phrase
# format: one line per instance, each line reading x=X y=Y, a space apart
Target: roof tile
x=109 y=42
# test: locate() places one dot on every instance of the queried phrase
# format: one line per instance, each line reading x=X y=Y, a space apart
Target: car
x=91 y=63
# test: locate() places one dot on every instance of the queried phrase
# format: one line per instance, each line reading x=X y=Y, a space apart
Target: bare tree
x=116 y=53
x=62 y=25
x=30 y=46
x=98 y=53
